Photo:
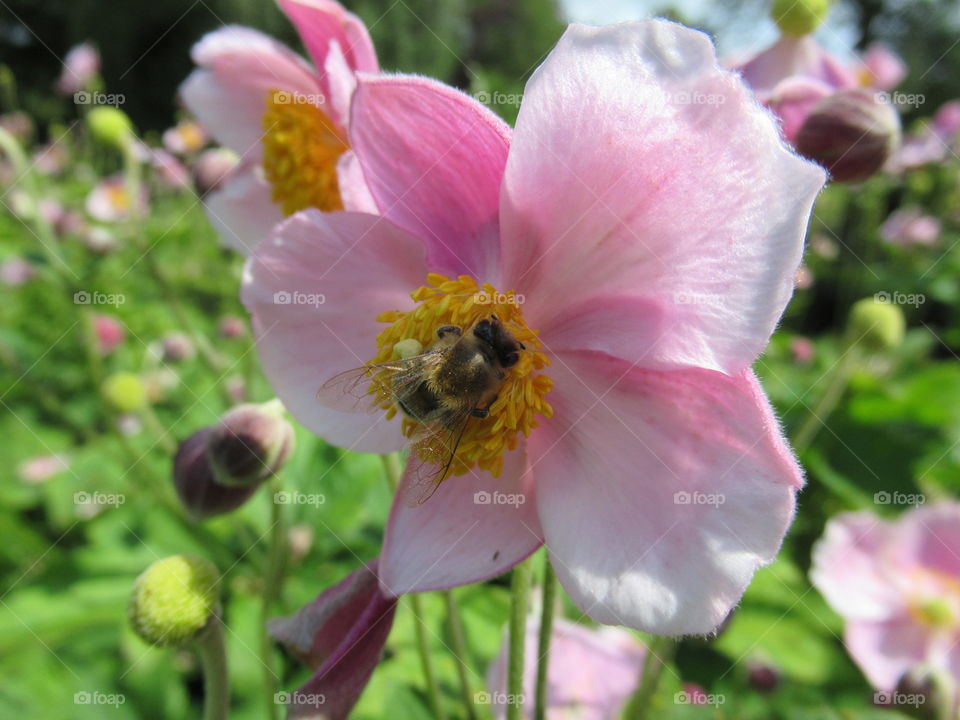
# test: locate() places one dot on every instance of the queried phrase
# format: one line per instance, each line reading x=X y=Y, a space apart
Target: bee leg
x=449 y=330
x=481 y=413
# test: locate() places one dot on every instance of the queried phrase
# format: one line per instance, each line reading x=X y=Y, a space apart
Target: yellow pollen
x=520 y=400
x=301 y=148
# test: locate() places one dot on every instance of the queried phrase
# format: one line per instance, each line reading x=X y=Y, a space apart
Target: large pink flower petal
x=659 y=493
x=795 y=57
x=322 y=22
x=315 y=289
x=239 y=68
x=931 y=538
x=242 y=211
x=341 y=634
x=886 y=649
x=851 y=567
x=433 y=158
x=639 y=167
x=474 y=527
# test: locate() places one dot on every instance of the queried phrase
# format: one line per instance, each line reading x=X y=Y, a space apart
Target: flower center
x=520 y=398
x=301 y=148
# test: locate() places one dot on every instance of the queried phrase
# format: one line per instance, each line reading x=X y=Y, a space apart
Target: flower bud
x=110 y=125
x=250 y=443
x=212 y=168
x=852 y=133
x=924 y=691
x=177 y=346
x=125 y=392
x=876 y=325
x=196 y=486
x=174 y=599
x=797 y=18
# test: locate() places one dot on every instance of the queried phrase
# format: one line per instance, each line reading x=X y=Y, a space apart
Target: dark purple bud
x=194 y=481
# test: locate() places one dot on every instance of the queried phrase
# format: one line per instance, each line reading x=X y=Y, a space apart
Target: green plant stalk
x=519 y=599
x=459 y=642
x=827 y=403
x=660 y=651
x=213 y=659
x=543 y=641
x=272 y=586
x=426 y=662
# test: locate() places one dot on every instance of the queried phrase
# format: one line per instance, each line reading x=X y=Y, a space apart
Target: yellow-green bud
x=174 y=599
x=876 y=324
x=110 y=125
x=125 y=391
x=797 y=18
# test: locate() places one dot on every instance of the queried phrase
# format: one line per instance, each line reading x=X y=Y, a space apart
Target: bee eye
x=510 y=359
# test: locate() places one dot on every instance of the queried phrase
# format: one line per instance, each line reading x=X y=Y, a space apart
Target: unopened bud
x=876 y=325
x=925 y=691
x=796 y=18
x=196 y=485
x=125 y=392
x=174 y=600
x=250 y=443
x=852 y=133
x=110 y=125
x=177 y=347
x=212 y=169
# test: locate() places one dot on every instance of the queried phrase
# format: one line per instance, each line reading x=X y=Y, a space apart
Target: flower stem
x=272 y=583
x=817 y=418
x=520 y=595
x=426 y=662
x=459 y=642
x=213 y=660
x=660 y=651
x=546 y=630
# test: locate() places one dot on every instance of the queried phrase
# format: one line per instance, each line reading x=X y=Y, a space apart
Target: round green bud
x=876 y=324
x=174 y=599
x=110 y=125
x=125 y=392
x=797 y=18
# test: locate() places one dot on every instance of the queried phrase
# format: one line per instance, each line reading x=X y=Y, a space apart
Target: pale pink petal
x=322 y=22
x=794 y=57
x=240 y=67
x=851 y=567
x=354 y=192
x=242 y=211
x=659 y=493
x=433 y=158
x=473 y=527
x=884 y=68
x=342 y=633
x=638 y=167
x=793 y=100
x=338 y=82
x=931 y=536
x=887 y=649
x=315 y=289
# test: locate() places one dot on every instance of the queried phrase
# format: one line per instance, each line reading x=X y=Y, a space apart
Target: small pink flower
x=80 y=66
x=590 y=675
x=169 y=170
x=232 y=327
x=16 y=271
x=109 y=200
x=910 y=226
x=212 y=169
x=110 y=333
x=646 y=249
x=40 y=469
x=897 y=585
x=51 y=158
x=882 y=68
x=185 y=138
x=803 y=350
x=285 y=119
x=946 y=120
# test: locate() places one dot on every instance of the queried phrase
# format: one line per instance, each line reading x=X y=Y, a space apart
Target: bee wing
x=432 y=451
x=359 y=389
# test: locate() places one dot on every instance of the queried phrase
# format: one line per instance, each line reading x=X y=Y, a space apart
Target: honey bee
x=457 y=379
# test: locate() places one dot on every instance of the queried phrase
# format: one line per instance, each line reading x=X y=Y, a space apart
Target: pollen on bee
x=521 y=398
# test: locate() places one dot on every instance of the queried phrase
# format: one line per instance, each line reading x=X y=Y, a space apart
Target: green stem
x=519 y=598
x=213 y=659
x=426 y=662
x=817 y=418
x=546 y=633
x=272 y=585
x=459 y=642
x=660 y=651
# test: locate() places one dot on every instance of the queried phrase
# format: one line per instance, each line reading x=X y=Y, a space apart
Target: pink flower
x=80 y=66
x=897 y=585
x=109 y=200
x=109 y=332
x=590 y=675
x=169 y=170
x=185 y=138
x=910 y=226
x=16 y=271
x=286 y=119
x=642 y=249
x=37 y=470
x=882 y=68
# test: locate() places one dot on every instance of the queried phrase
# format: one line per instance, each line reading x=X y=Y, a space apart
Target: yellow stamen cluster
x=520 y=400
x=301 y=147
